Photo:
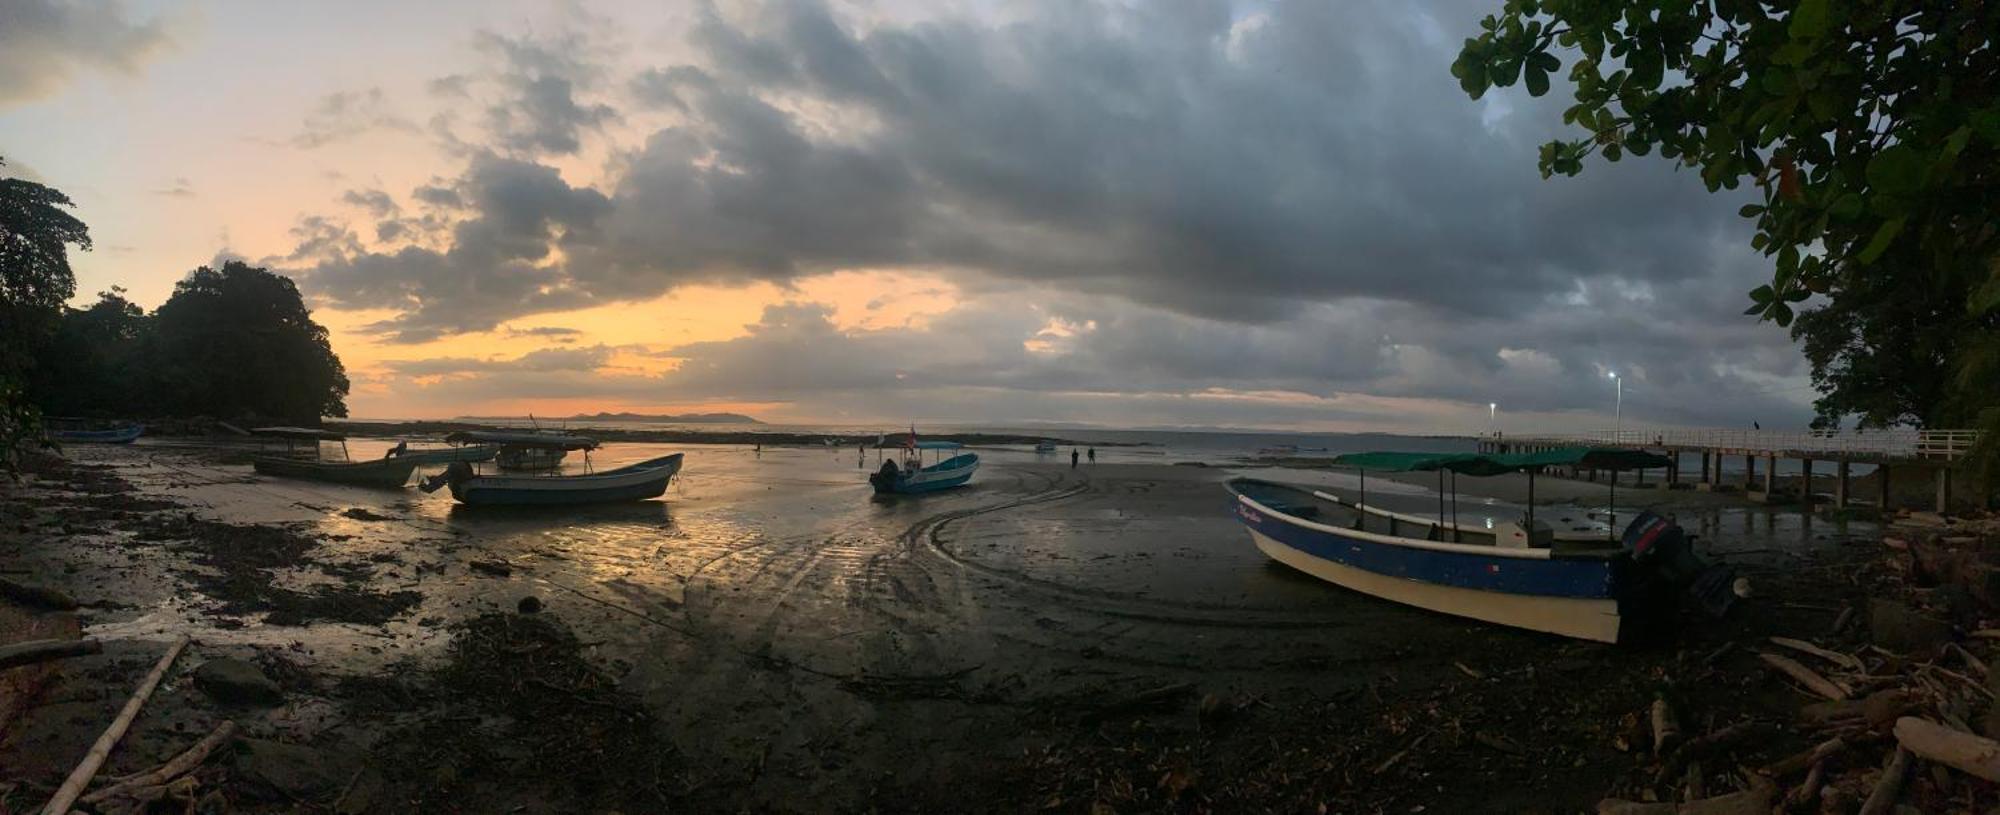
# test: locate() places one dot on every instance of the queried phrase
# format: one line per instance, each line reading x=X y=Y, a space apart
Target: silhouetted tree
x=239 y=341
x=35 y=279
x=95 y=364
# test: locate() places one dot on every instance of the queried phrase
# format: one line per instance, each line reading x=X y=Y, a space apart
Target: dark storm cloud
x=539 y=112
x=44 y=43
x=1287 y=195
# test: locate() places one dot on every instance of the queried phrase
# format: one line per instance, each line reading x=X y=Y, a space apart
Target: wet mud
x=770 y=636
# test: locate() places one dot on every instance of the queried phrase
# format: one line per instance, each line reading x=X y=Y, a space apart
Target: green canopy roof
x=1479 y=464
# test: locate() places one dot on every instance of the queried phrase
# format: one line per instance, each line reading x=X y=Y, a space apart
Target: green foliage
x=98 y=362
x=1870 y=131
x=239 y=341
x=1861 y=124
x=35 y=279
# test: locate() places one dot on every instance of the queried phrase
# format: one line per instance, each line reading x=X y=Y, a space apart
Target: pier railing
x=1941 y=445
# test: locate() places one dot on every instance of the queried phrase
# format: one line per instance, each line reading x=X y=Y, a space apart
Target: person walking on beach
x=1072 y=458
x=1093 y=455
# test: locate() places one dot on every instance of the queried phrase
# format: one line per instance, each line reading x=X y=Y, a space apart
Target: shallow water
x=770 y=604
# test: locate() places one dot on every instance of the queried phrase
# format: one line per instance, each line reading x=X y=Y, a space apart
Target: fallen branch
x=1666 y=730
x=80 y=777
x=1806 y=676
x=1835 y=657
x=187 y=760
x=1977 y=755
x=1698 y=747
x=33 y=651
x=1806 y=793
x=1754 y=801
x=1799 y=761
x=1889 y=787
x=1840 y=622
x=1977 y=666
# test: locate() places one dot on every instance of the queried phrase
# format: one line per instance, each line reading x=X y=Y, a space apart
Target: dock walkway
x=1929 y=451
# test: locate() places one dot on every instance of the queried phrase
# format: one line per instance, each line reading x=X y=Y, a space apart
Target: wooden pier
x=1929 y=452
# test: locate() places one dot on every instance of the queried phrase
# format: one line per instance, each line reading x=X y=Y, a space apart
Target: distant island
x=677 y=418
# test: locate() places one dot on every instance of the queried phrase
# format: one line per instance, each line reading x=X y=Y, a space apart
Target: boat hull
x=930 y=479
x=638 y=482
x=375 y=473
x=1578 y=597
x=116 y=435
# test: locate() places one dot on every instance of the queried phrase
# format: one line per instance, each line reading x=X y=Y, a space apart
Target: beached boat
x=912 y=476
x=536 y=450
x=301 y=458
x=635 y=482
x=79 y=431
x=427 y=455
x=1516 y=573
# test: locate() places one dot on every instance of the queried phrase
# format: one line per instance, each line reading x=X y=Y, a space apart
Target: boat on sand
x=302 y=458
x=912 y=476
x=633 y=482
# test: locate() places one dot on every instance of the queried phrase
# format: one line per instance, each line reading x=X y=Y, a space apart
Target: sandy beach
x=770 y=636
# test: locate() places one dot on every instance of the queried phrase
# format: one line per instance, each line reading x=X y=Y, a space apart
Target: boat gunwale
x=1488 y=550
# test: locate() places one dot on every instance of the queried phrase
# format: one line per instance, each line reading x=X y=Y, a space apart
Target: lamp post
x=1492 y=418
x=1618 y=417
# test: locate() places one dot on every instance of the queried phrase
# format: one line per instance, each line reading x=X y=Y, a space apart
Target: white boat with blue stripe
x=912 y=476
x=633 y=482
x=1516 y=573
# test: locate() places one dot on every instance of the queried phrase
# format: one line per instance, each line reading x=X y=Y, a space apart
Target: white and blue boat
x=78 y=431
x=1515 y=573
x=912 y=476
x=633 y=482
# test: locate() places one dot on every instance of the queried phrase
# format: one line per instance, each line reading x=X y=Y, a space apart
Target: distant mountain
x=673 y=418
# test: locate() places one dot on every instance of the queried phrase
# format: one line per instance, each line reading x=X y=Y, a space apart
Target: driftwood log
x=159 y=776
x=1835 y=657
x=79 y=778
x=33 y=651
x=1889 y=787
x=1810 y=758
x=1811 y=679
x=1977 y=755
x=1666 y=729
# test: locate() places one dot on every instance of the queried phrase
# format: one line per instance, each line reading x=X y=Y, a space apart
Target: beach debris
x=36 y=596
x=233 y=681
x=79 y=778
x=1753 y=801
x=1666 y=729
x=496 y=568
x=1889 y=787
x=1811 y=679
x=33 y=651
x=1897 y=627
x=280 y=771
x=529 y=604
x=1977 y=755
x=131 y=786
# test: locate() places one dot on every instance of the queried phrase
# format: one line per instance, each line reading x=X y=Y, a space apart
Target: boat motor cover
x=457 y=472
x=1659 y=544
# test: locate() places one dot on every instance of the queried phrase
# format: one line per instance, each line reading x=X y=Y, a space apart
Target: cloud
x=180 y=187
x=539 y=112
x=1295 y=201
x=375 y=202
x=538 y=361
x=346 y=114
x=45 y=43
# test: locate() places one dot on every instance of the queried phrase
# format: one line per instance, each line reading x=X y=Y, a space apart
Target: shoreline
x=1049 y=638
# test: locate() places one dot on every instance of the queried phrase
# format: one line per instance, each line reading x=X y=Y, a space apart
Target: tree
x=239 y=341
x=35 y=280
x=96 y=362
x=1872 y=133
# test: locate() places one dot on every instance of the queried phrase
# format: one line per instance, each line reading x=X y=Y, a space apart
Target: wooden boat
x=911 y=476
x=1515 y=573
x=536 y=450
x=77 y=431
x=635 y=482
x=422 y=456
x=301 y=459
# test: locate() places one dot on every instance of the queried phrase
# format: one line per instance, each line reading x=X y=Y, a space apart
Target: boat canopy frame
x=546 y=441
x=1615 y=459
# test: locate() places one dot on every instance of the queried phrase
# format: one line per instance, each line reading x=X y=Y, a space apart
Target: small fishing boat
x=444 y=454
x=302 y=458
x=538 y=450
x=1045 y=447
x=634 y=482
x=80 y=431
x=912 y=476
x=1516 y=573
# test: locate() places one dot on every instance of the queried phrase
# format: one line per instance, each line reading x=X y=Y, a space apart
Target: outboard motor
x=1664 y=552
x=458 y=471
x=885 y=478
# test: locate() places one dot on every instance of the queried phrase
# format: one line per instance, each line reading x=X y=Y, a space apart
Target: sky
x=1198 y=213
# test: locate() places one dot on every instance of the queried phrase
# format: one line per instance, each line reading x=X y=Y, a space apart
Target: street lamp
x=1492 y=417
x=1618 y=418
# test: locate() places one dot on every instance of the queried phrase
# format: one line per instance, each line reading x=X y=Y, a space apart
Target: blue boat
x=1514 y=573
x=911 y=476
x=73 y=432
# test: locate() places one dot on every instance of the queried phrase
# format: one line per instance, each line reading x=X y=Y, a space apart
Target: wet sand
x=1041 y=637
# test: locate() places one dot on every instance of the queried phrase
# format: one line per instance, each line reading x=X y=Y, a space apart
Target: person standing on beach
x=1072 y=458
x=1093 y=455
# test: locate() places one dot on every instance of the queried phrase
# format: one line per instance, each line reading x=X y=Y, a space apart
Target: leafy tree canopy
x=239 y=341
x=1871 y=131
